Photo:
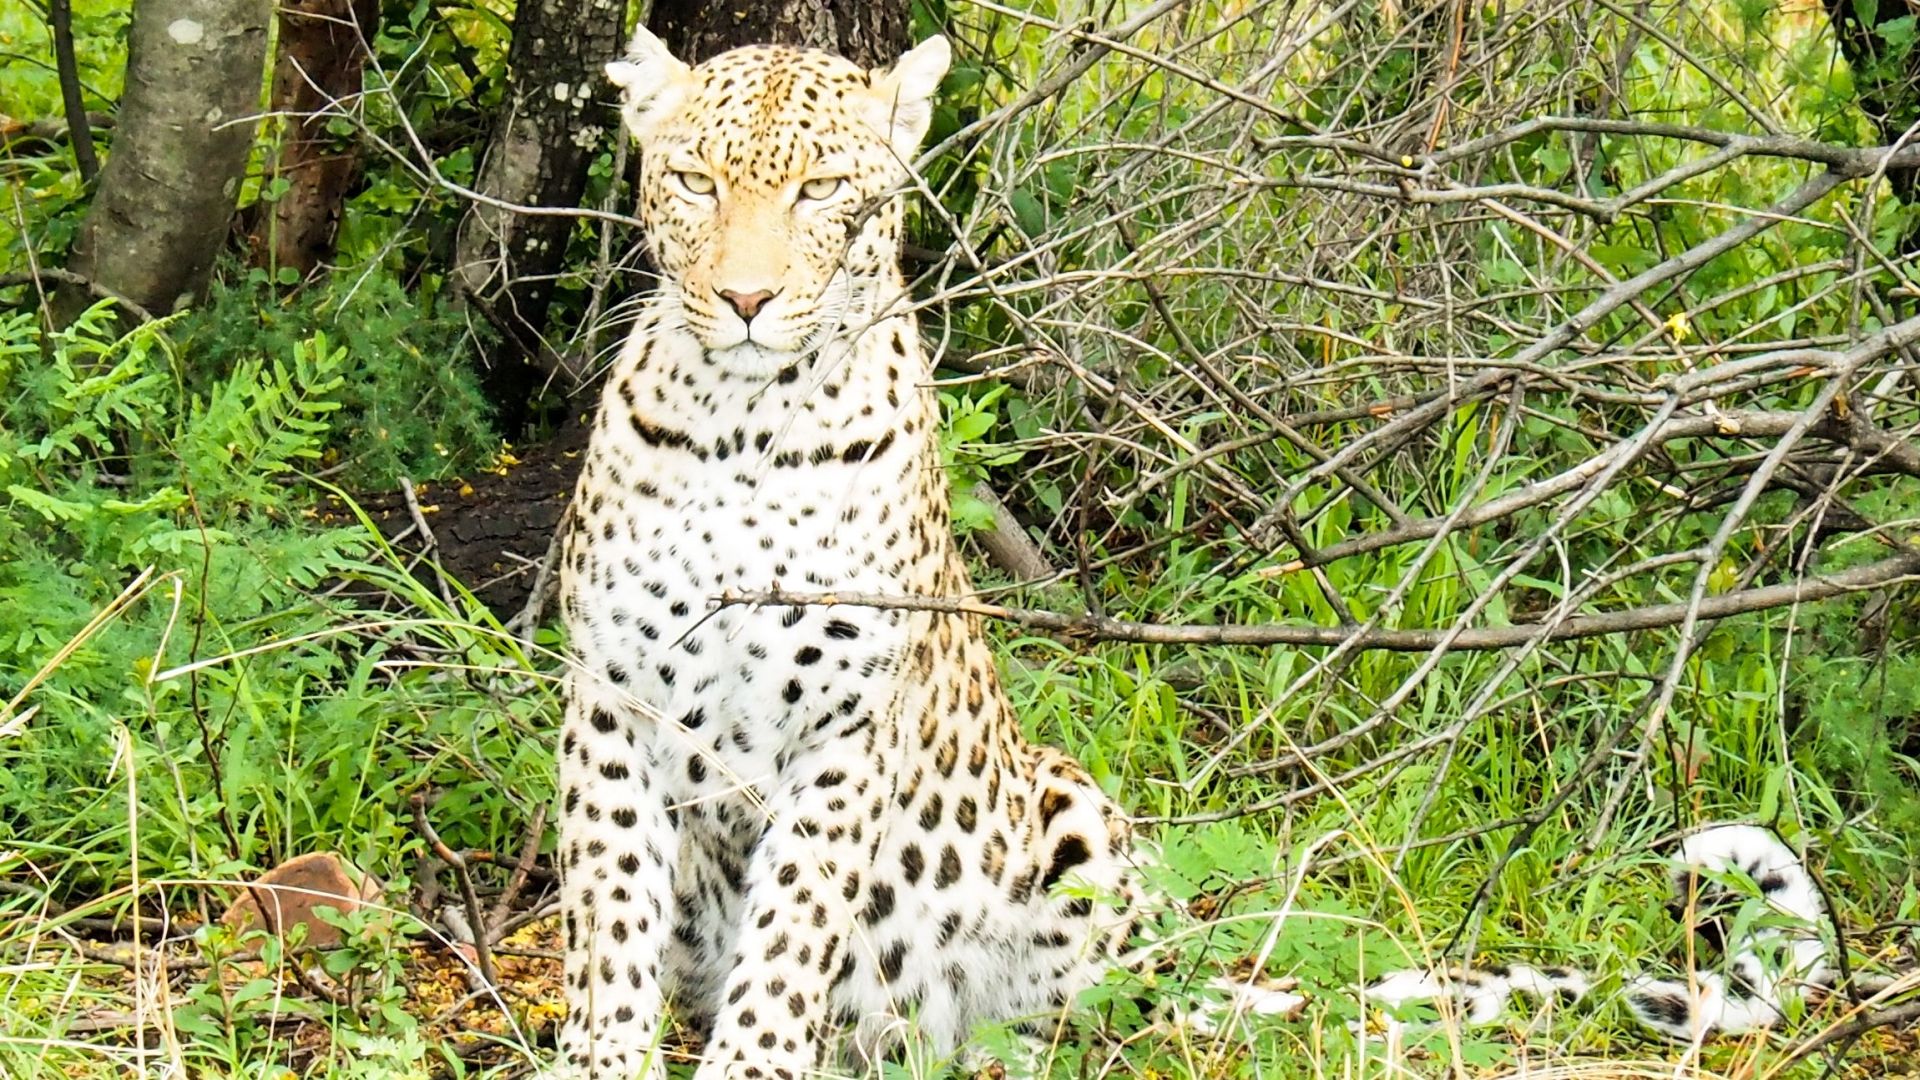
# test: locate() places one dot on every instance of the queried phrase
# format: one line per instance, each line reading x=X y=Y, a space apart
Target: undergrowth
x=437 y=428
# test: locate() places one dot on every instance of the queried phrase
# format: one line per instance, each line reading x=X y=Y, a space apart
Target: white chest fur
x=699 y=483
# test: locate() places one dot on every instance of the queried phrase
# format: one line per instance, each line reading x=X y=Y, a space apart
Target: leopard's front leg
x=806 y=882
x=618 y=847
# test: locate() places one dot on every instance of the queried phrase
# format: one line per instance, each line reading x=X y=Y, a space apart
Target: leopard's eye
x=822 y=187
x=695 y=183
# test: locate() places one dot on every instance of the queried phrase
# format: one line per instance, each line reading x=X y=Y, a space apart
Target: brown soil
x=494 y=528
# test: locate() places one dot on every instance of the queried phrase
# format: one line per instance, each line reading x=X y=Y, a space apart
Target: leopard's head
x=767 y=187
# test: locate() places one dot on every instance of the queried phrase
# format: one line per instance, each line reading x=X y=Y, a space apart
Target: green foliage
x=262 y=419
x=200 y=707
x=1858 y=722
x=52 y=195
x=119 y=482
x=401 y=378
x=968 y=455
x=33 y=89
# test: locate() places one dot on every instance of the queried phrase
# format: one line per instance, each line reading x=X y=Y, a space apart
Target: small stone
x=294 y=889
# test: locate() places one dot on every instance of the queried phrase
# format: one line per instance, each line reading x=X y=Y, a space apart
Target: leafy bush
x=407 y=400
x=145 y=528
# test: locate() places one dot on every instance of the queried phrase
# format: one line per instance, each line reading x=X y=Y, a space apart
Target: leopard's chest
x=686 y=500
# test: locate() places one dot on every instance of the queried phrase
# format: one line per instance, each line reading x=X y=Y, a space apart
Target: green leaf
x=1899 y=35
x=1029 y=213
x=969 y=427
x=47 y=506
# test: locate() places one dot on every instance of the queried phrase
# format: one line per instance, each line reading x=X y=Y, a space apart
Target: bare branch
x=1887 y=571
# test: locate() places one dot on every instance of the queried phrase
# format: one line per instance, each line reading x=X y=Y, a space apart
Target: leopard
x=785 y=823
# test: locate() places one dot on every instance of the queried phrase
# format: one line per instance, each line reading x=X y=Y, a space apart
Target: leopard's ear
x=651 y=81
x=906 y=91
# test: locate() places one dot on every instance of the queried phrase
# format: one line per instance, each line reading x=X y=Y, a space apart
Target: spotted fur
x=1780 y=954
x=782 y=822
x=1770 y=957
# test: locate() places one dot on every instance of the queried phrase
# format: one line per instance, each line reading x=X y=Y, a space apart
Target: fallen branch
x=1851 y=431
x=68 y=277
x=1569 y=330
x=1850 y=161
x=1007 y=542
x=62 y=915
x=1102 y=628
x=1904 y=1013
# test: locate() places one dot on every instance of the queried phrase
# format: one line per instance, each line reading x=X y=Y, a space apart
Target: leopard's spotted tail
x=1768 y=958
x=1781 y=952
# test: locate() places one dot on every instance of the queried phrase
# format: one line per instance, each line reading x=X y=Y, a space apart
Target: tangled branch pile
x=1430 y=329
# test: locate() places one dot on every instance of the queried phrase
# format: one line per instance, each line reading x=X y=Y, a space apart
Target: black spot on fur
x=1661 y=1009
x=1070 y=852
x=949 y=871
x=893 y=960
x=879 y=903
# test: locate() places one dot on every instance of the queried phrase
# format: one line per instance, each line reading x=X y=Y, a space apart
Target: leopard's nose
x=745 y=305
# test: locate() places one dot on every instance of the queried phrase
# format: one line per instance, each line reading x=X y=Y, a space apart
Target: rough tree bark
x=872 y=33
x=322 y=55
x=554 y=118
x=1888 y=88
x=167 y=191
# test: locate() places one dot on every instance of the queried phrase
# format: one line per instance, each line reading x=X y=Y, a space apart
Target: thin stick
x=528 y=620
x=1905 y=1012
x=529 y=853
x=483 y=954
x=431 y=550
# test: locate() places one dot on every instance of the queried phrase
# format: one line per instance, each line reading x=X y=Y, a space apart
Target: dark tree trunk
x=322 y=55
x=1888 y=88
x=871 y=33
x=555 y=117
x=60 y=19
x=167 y=191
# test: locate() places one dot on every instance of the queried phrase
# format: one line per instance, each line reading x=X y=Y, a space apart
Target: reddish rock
x=291 y=892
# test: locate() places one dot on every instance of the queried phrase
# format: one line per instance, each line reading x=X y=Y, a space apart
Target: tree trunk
x=60 y=19
x=871 y=33
x=1888 y=86
x=167 y=191
x=555 y=117
x=322 y=54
